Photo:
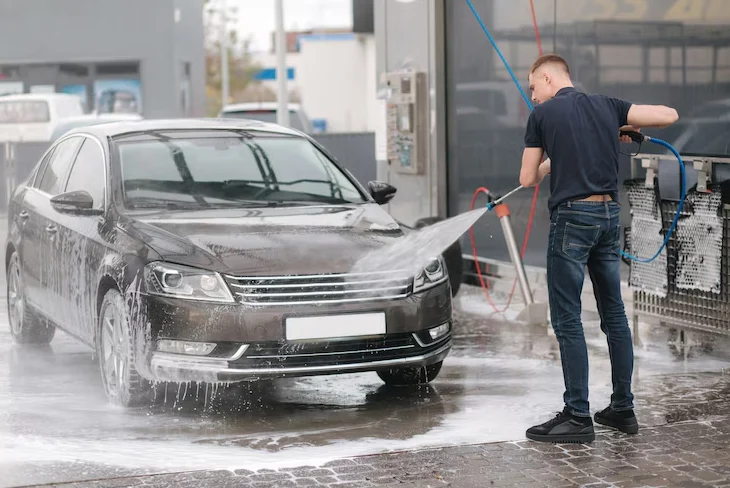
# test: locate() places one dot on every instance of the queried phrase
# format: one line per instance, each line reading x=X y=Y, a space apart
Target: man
x=579 y=134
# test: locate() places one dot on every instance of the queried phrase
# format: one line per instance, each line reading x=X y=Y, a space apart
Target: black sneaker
x=564 y=428
x=625 y=420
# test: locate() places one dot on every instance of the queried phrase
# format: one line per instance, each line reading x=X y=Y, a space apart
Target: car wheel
x=410 y=376
x=452 y=256
x=123 y=385
x=25 y=326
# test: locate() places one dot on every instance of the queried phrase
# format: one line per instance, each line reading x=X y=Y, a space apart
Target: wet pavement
x=501 y=377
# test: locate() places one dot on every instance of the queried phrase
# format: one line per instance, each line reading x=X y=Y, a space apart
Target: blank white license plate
x=335 y=326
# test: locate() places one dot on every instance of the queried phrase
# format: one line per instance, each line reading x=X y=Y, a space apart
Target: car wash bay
x=56 y=425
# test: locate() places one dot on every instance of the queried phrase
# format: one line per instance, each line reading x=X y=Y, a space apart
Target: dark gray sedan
x=216 y=251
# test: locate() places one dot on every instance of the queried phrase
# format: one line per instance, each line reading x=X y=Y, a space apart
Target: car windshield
x=223 y=168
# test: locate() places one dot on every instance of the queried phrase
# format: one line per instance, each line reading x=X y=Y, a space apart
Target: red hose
x=533 y=206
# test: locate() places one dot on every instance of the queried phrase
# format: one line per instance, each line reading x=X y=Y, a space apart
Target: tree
x=241 y=69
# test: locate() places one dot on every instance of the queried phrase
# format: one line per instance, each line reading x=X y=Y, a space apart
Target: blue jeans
x=588 y=234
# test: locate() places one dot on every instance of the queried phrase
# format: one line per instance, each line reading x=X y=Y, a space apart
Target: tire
x=410 y=376
x=452 y=256
x=123 y=385
x=25 y=326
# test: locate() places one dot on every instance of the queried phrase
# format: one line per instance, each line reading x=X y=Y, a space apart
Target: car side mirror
x=381 y=192
x=75 y=202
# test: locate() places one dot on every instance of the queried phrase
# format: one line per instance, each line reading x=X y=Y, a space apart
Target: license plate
x=335 y=326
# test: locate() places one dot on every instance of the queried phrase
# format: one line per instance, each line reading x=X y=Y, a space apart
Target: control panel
x=407 y=121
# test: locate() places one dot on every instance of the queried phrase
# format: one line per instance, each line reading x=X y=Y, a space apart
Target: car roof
x=115 y=129
x=257 y=106
x=36 y=96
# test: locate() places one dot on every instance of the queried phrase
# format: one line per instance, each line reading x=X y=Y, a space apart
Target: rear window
x=222 y=168
x=24 y=112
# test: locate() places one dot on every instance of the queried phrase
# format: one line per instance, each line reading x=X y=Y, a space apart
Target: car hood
x=291 y=240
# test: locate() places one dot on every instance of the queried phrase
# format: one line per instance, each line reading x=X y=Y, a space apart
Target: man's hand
x=627 y=139
x=543 y=170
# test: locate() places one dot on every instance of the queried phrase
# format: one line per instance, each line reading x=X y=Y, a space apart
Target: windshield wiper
x=141 y=202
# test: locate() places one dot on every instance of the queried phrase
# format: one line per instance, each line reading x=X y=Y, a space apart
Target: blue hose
x=682 y=196
x=683 y=191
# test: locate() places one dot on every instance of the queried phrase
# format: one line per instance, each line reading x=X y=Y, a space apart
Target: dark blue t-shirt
x=579 y=133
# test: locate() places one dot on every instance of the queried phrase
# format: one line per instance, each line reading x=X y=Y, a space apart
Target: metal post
x=225 y=83
x=282 y=113
x=534 y=313
x=9 y=149
x=514 y=254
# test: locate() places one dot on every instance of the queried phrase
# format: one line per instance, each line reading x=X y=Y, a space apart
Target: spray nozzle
x=637 y=137
x=490 y=201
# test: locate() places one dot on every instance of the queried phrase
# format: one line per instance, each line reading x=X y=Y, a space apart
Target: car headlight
x=431 y=275
x=177 y=281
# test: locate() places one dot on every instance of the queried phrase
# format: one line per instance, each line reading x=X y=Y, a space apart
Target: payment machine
x=407 y=121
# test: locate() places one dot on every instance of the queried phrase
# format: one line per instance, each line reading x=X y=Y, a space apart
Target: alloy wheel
x=114 y=352
x=16 y=300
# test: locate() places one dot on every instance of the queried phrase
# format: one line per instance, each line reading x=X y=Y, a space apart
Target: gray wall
x=411 y=35
x=88 y=31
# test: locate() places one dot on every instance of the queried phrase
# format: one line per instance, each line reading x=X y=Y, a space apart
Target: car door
x=44 y=271
x=80 y=242
x=29 y=244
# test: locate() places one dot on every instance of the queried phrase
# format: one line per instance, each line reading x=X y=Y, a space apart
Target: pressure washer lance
x=492 y=204
x=637 y=137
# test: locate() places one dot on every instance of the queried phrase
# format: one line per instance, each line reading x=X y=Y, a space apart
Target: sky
x=256 y=18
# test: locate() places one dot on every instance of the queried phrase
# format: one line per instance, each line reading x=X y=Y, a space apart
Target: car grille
x=321 y=288
x=311 y=354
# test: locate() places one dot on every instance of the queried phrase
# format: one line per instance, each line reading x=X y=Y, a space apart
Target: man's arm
x=533 y=171
x=533 y=153
x=632 y=116
x=659 y=116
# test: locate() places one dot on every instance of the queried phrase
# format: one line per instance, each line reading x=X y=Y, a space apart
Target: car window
x=53 y=177
x=229 y=169
x=42 y=168
x=87 y=173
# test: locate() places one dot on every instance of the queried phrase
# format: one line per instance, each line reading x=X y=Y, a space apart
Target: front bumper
x=248 y=363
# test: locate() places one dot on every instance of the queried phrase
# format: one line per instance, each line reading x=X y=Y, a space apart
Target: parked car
x=266 y=112
x=216 y=251
x=32 y=117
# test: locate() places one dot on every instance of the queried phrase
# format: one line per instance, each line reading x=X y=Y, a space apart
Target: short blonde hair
x=550 y=58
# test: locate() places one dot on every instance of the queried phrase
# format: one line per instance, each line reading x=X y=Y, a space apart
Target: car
x=266 y=112
x=69 y=123
x=213 y=251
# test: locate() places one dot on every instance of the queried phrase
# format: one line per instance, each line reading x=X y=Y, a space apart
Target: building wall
x=92 y=31
x=409 y=35
x=674 y=52
x=335 y=77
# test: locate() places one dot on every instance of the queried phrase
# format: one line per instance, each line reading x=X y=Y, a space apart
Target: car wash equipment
x=635 y=136
x=491 y=205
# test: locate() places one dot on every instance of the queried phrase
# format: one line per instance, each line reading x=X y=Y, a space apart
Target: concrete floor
x=502 y=377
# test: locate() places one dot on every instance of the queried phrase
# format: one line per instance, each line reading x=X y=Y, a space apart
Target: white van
x=34 y=116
